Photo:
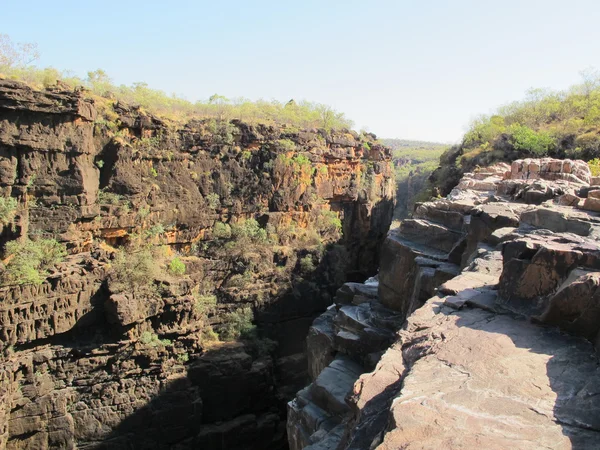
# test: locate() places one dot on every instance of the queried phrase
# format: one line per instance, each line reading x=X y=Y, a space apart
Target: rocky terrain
x=163 y=237
x=480 y=331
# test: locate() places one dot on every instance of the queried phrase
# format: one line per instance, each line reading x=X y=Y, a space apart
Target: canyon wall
x=88 y=364
x=480 y=331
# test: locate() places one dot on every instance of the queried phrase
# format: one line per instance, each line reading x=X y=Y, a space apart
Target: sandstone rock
x=518 y=369
x=319 y=343
x=568 y=200
x=576 y=305
x=536 y=265
x=562 y=220
x=334 y=383
x=592 y=203
x=595 y=193
x=125 y=309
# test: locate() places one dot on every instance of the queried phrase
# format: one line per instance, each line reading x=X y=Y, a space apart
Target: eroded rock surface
x=88 y=365
x=498 y=285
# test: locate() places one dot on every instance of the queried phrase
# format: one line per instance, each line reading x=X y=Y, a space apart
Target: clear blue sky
x=408 y=69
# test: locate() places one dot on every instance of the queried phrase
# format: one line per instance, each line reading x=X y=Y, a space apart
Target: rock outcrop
x=493 y=295
x=88 y=364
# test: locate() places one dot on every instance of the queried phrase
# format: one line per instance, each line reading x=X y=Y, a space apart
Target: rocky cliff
x=481 y=330
x=171 y=231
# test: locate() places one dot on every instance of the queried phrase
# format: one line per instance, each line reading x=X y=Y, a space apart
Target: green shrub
x=109 y=198
x=143 y=212
x=182 y=358
x=30 y=260
x=588 y=145
x=134 y=270
x=177 y=266
x=155 y=230
x=328 y=224
x=100 y=164
x=213 y=200
x=286 y=145
x=205 y=304
x=8 y=210
x=594 y=166
x=153 y=172
x=152 y=340
x=248 y=229
x=221 y=230
x=237 y=324
x=307 y=265
x=525 y=139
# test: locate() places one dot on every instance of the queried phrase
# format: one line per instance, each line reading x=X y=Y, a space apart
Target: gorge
x=170 y=233
x=228 y=284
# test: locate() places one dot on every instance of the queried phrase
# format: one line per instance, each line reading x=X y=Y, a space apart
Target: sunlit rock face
x=490 y=296
x=89 y=364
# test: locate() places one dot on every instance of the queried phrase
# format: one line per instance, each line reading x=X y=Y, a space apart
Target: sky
x=405 y=69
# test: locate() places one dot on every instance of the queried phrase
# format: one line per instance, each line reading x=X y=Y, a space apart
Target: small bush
x=594 y=166
x=286 y=145
x=177 y=266
x=307 y=265
x=143 y=212
x=328 y=224
x=182 y=358
x=134 y=270
x=30 y=260
x=205 y=304
x=155 y=230
x=109 y=198
x=152 y=340
x=221 y=230
x=237 y=324
x=8 y=210
x=153 y=172
x=213 y=200
x=248 y=229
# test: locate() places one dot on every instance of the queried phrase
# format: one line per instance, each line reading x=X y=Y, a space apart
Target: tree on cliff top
x=16 y=59
x=18 y=54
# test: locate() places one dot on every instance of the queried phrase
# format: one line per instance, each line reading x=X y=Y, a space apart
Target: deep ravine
x=175 y=234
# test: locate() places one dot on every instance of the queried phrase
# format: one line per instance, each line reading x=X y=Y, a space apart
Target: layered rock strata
x=87 y=365
x=497 y=284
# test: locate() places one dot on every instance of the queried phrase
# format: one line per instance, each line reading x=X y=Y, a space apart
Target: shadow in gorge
x=233 y=398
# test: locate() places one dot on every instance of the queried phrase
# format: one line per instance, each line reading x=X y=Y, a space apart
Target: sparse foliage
x=29 y=260
x=8 y=210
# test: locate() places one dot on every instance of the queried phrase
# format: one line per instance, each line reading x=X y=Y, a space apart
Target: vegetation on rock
x=16 y=60
x=8 y=210
x=29 y=260
x=560 y=124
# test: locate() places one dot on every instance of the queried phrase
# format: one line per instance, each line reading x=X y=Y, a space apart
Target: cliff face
x=486 y=317
x=88 y=363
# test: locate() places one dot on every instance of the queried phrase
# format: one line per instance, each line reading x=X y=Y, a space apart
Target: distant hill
x=413 y=162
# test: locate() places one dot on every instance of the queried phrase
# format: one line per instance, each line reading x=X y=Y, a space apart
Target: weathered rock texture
x=498 y=285
x=83 y=366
